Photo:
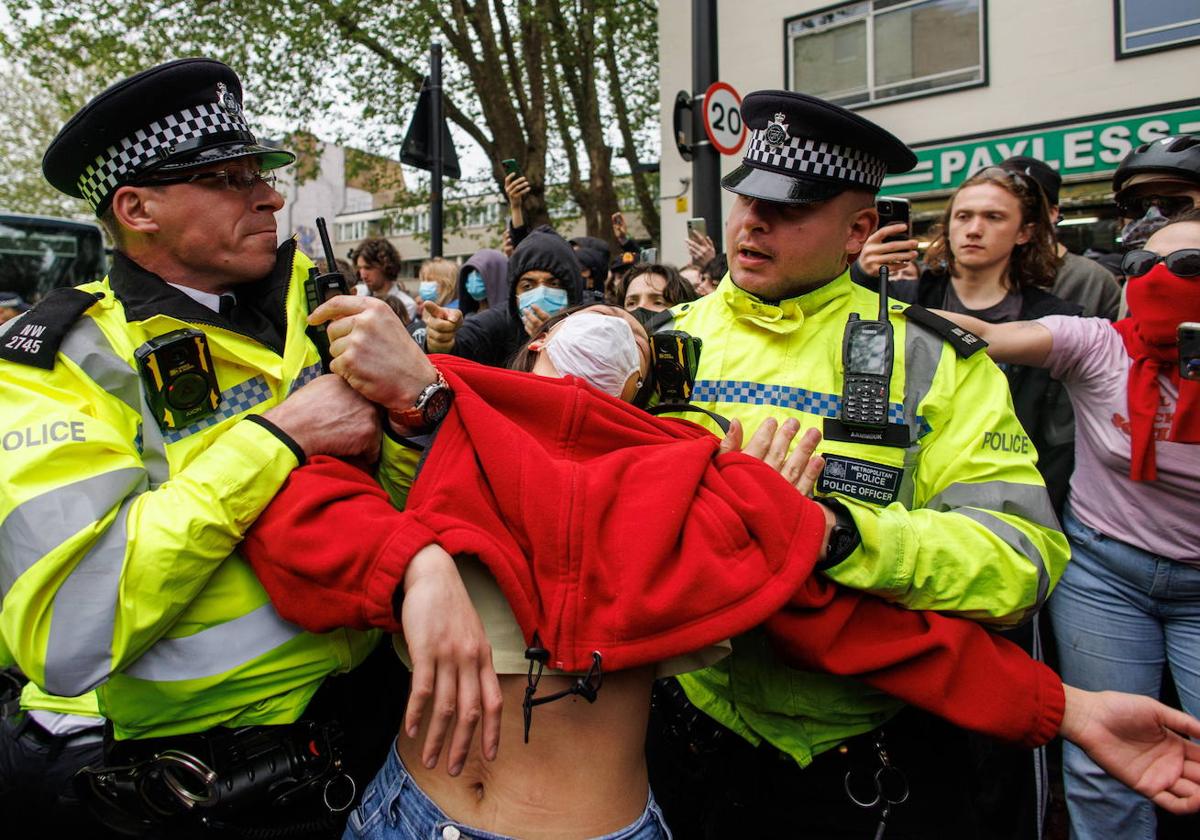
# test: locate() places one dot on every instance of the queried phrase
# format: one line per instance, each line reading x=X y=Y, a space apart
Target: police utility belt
x=218 y=777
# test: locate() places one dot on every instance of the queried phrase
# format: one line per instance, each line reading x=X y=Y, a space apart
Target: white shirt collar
x=207 y=299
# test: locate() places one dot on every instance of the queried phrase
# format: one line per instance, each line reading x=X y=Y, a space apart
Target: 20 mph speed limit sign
x=723 y=118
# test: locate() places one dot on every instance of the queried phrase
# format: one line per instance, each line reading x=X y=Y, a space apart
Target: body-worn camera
x=676 y=356
x=180 y=381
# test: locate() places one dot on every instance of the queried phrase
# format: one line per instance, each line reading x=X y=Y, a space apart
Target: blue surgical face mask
x=475 y=286
x=428 y=290
x=547 y=298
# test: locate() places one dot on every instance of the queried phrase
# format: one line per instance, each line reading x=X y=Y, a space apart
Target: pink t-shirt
x=1160 y=516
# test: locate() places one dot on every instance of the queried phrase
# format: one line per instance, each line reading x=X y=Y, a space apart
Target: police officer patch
x=878 y=484
x=227 y=100
x=777 y=132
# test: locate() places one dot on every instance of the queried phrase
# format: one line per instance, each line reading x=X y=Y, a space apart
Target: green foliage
x=322 y=66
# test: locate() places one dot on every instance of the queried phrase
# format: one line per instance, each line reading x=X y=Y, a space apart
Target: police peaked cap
x=803 y=149
x=177 y=116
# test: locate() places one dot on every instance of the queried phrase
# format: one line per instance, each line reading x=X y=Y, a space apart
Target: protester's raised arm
x=1015 y=342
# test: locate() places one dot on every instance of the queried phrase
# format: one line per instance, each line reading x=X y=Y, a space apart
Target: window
x=1151 y=25
x=352 y=231
x=880 y=50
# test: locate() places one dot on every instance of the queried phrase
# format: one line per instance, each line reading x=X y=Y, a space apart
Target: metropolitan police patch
x=878 y=484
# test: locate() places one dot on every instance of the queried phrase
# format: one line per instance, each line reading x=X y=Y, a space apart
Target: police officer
x=147 y=419
x=937 y=506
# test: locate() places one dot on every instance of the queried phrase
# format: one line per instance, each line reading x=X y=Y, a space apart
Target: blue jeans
x=394 y=808
x=1119 y=613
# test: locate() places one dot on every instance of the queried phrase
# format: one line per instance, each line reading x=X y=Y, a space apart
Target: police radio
x=319 y=288
x=181 y=384
x=867 y=351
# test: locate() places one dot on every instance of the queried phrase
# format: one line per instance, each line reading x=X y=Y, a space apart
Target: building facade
x=966 y=83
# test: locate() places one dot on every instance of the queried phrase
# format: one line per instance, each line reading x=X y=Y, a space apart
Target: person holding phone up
x=1130 y=598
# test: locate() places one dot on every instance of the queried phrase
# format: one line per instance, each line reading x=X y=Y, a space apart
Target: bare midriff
x=582 y=774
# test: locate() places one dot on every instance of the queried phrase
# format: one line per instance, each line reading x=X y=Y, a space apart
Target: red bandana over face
x=1158 y=302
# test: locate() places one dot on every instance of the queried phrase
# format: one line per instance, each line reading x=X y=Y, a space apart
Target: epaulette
x=34 y=338
x=964 y=342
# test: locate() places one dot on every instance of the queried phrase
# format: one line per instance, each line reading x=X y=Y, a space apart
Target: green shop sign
x=1078 y=150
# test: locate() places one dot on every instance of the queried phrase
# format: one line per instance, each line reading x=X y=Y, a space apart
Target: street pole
x=706 y=161
x=436 y=153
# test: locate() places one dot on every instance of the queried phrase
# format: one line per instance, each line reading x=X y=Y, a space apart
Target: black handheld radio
x=867 y=351
x=319 y=288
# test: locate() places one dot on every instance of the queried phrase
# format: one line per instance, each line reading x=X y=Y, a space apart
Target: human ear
x=133 y=208
x=862 y=224
x=1025 y=233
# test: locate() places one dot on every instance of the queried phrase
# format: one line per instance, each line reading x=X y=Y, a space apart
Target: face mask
x=428 y=290
x=599 y=349
x=475 y=286
x=1158 y=301
x=548 y=298
x=1135 y=234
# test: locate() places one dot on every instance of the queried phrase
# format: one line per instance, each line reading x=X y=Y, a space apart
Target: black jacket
x=493 y=336
x=1041 y=403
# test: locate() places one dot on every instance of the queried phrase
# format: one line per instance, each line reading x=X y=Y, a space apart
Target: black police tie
x=228 y=302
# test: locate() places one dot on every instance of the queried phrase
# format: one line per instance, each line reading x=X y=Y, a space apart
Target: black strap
x=964 y=342
x=664 y=408
x=34 y=338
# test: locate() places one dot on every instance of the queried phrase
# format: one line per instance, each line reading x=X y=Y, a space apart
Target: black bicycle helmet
x=1177 y=156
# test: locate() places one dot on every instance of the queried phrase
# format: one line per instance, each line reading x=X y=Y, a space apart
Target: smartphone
x=510 y=167
x=893 y=211
x=1189 y=350
x=697 y=225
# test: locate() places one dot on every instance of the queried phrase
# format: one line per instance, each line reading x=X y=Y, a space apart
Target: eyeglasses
x=242 y=180
x=1168 y=205
x=1182 y=263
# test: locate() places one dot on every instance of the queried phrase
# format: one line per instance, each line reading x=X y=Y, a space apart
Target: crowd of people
x=458 y=561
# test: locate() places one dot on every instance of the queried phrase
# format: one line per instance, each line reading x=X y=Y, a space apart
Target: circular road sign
x=723 y=118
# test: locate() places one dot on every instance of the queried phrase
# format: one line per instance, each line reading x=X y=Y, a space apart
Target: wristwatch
x=843 y=538
x=431 y=407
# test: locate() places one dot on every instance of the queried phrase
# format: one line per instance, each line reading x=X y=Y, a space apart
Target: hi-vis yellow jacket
x=953 y=514
x=118 y=567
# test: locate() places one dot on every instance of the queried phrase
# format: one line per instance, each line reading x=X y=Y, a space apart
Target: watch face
x=437 y=406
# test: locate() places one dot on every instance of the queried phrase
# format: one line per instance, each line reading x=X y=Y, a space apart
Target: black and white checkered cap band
x=111 y=168
x=806 y=156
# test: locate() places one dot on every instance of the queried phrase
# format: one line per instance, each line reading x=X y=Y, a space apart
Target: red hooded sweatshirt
x=613 y=531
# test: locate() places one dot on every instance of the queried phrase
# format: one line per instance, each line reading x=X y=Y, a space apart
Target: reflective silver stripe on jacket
x=37 y=526
x=79 y=652
x=922 y=353
x=88 y=348
x=215 y=650
x=1028 y=501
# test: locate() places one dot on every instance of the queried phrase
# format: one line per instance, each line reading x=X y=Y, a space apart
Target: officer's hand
x=452 y=674
x=770 y=444
x=876 y=252
x=441 y=326
x=328 y=417
x=534 y=318
x=373 y=351
x=1139 y=741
